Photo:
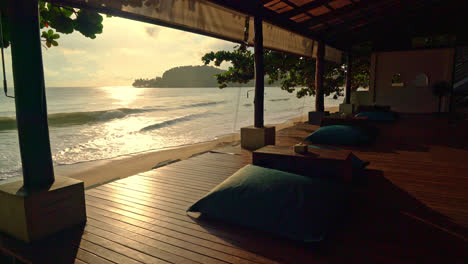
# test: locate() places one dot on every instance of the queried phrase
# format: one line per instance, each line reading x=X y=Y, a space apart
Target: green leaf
x=54 y=43
x=66 y=12
x=48 y=44
x=88 y=23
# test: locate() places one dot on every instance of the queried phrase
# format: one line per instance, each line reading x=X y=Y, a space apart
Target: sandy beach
x=98 y=172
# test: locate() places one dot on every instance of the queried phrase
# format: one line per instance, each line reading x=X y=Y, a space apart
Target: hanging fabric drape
x=205 y=17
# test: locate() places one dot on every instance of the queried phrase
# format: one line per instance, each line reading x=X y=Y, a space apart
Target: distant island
x=186 y=76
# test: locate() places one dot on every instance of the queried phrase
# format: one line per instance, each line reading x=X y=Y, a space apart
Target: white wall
x=437 y=64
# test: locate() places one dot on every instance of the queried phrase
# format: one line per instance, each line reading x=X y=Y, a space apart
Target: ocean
x=98 y=123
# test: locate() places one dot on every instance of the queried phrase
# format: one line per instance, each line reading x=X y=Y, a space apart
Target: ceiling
x=343 y=23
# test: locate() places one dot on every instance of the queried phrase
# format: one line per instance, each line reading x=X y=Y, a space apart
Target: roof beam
x=354 y=6
x=305 y=8
x=270 y=16
x=408 y=12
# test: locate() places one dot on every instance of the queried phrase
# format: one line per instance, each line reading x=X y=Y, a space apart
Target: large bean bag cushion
x=377 y=116
x=285 y=204
x=340 y=135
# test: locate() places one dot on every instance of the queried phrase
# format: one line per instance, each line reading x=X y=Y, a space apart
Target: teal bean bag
x=286 y=204
x=340 y=135
x=377 y=116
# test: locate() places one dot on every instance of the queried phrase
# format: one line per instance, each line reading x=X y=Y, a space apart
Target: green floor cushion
x=340 y=135
x=285 y=204
x=377 y=116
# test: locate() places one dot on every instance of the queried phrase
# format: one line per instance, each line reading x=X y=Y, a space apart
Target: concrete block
x=346 y=108
x=31 y=216
x=253 y=138
x=315 y=118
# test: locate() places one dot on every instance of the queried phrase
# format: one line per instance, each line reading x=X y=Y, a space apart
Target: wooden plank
x=106 y=253
x=175 y=246
x=202 y=246
x=171 y=181
x=90 y=258
x=179 y=178
x=109 y=200
x=151 y=251
x=133 y=197
x=126 y=189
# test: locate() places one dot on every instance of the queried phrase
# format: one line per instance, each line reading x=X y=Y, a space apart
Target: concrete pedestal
x=253 y=138
x=315 y=118
x=36 y=215
x=347 y=108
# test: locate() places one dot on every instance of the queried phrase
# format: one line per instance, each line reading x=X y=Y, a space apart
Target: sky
x=125 y=51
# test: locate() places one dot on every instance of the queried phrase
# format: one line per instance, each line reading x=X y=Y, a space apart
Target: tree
x=295 y=73
x=54 y=19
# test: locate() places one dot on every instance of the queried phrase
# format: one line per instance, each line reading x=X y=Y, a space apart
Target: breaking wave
x=172 y=121
x=79 y=118
x=203 y=104
x=279 y=99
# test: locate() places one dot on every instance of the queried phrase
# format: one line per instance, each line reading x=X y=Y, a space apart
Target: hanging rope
x=237 y=111
x=303 y=106
x=5 y=87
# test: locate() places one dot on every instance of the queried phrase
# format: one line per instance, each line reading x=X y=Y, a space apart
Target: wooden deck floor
x=412 y=209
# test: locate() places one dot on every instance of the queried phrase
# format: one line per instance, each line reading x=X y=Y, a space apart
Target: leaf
x=54 y=43
x=50 y=32
x=88 y=23
x=55 y=36
x=67 y=12
x=48 y=44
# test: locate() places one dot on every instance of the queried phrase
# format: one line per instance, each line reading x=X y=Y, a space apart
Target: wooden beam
x=281 y=20
x=259 y=72
x=348 y=77
x=335 y=13
x=30 y=98
x=319 y=70
x=376 y=24
x=306 y=7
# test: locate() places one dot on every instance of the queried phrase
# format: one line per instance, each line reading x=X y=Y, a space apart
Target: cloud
x=126 y=50
x=72 y=51
x=152 y=31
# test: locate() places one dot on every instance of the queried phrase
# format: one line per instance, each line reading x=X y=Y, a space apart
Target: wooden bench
x=317 y=162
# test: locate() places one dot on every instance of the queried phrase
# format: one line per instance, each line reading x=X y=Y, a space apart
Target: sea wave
x=203 y=104
x=7 y=123
x=80 y=118
x=173 y=121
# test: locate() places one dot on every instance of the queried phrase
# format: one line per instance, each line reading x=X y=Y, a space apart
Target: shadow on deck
x=413 y=208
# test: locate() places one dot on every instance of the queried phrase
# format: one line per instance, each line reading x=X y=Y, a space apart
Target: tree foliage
x=55 y=20
x=294 y=73
x=187 y=76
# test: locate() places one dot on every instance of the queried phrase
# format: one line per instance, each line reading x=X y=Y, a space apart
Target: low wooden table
x=317 y=162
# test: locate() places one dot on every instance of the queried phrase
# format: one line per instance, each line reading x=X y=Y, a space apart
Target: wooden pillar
x=319 y=100
x=348 y=78
x=30 y=98
x=259 y=72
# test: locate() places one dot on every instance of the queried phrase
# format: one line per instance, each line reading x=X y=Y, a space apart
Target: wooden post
x=259 y=72
x=319 y=100
x=348 y=78
x=30 y=98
